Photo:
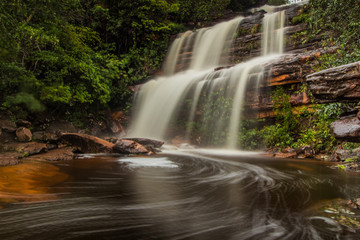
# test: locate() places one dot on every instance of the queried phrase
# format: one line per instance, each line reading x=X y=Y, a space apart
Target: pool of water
x=202 y=194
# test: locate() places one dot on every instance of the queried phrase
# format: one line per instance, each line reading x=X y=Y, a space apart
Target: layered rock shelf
x=340 y=84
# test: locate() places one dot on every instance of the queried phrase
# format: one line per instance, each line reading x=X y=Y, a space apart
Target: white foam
x=163 y=162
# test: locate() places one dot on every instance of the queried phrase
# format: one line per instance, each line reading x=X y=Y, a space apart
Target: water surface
x=183 y=195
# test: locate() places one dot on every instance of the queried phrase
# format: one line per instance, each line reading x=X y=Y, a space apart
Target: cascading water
x=194 y=82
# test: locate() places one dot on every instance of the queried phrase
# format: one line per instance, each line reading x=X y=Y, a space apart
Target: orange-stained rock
x=86 y=143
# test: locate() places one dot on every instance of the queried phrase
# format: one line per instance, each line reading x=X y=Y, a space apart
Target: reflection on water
x=188 y=196
x=29 y=182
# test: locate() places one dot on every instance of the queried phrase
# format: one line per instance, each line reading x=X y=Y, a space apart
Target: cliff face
x=289 y=71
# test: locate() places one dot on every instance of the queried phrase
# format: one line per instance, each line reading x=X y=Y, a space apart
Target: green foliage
x=314 y=130
x=277 y=136
x=27 y=99
x=196 y=11
x=342 y=56
x=251 y=136
x=341 y=167
x=341 y=17
x=350 y=146
x=241 y=5
x=283 y=109
x=340 y=21
x=277 y=2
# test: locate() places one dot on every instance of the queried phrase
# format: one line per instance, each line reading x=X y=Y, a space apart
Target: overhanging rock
x=339 y=84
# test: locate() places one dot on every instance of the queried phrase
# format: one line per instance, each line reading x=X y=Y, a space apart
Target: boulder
x=87 y=143
x=150 y=144
x=339 y=84
x=7 y=125
x=24 y=134
x=33 y=148
x=130 y=147
x=346 y=129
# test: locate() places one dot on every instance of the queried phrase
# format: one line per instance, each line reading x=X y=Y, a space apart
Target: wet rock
x=343 y=155
x=340 y=84
x=9 y=159
x=8 y=126
x=28 y=148
x=150 y=144
x=33 y=148
x=306 y=151
x=286 y=155
x=59 y=154
x=56 y=126
x=111 y=139
x=23 y=123
x=346 y=129
x=24 y=134
x=87 y=143
x=46 y=136
x=116 y=121
x=130 y=147
x=354 y=203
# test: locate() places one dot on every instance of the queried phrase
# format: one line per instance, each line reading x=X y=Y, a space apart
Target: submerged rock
x=87 y=143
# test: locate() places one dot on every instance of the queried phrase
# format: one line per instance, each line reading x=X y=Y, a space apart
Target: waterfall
x=196 y=89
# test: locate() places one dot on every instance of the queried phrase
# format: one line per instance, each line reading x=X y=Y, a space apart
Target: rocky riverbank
x=59 y=140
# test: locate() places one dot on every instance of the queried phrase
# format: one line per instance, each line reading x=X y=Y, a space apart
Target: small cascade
x=196 y=90
x=273 y=34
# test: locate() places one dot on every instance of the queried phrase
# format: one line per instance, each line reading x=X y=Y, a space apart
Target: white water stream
x=214 y=98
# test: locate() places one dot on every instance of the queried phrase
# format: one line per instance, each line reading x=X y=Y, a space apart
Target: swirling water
x=185 y=195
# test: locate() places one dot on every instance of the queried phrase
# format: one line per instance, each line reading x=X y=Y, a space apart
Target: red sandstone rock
x=86 y=143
